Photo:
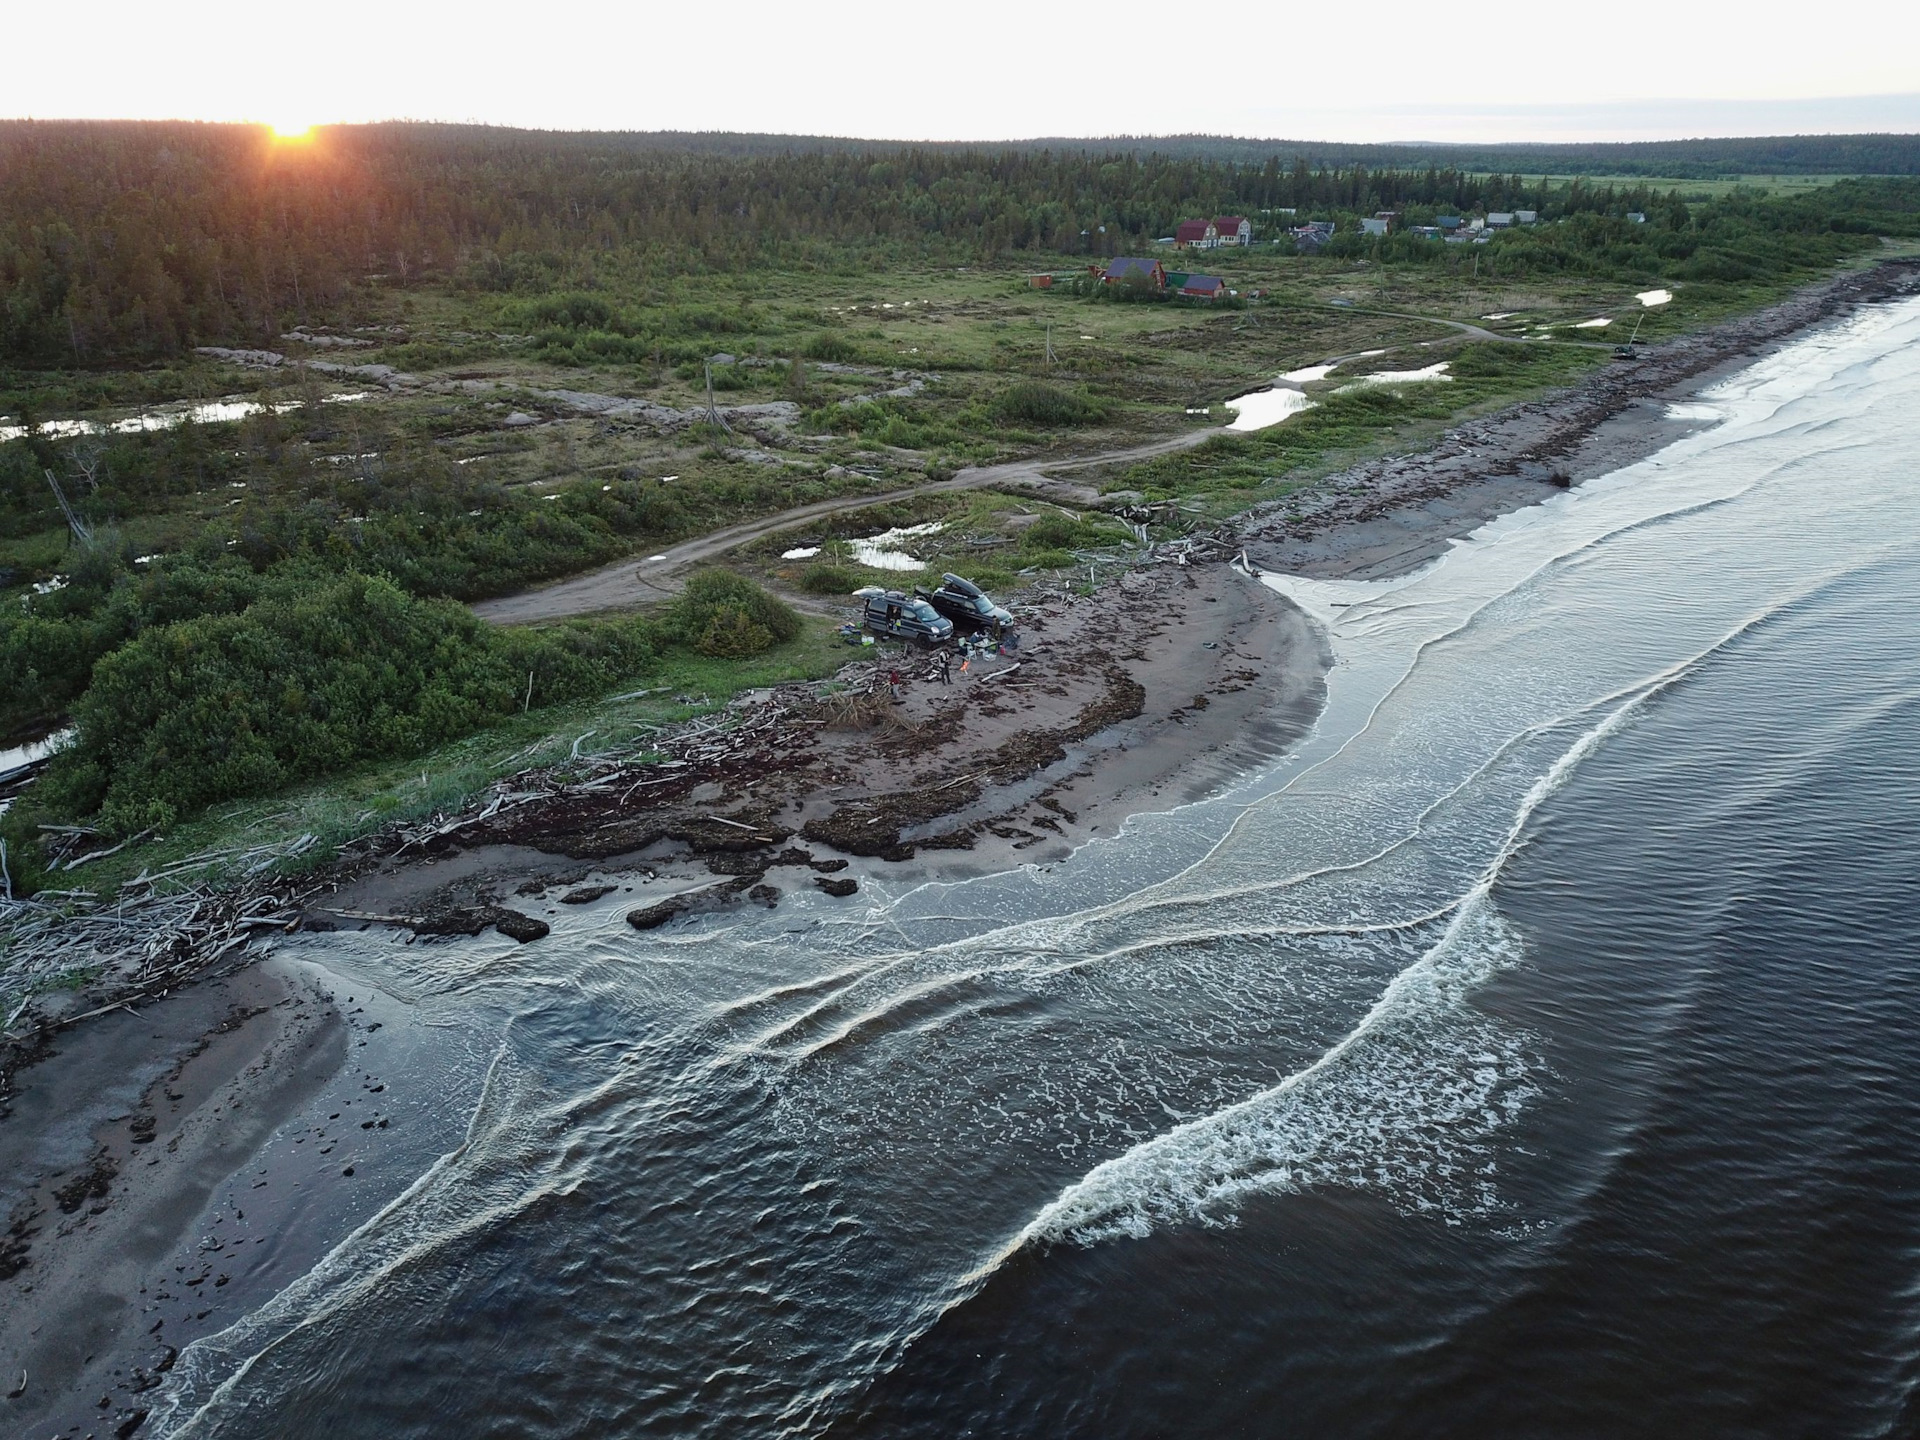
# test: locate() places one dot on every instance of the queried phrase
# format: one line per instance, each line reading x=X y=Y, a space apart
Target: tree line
x=133 y=239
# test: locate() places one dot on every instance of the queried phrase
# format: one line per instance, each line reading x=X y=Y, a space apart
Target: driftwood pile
x=135 y=944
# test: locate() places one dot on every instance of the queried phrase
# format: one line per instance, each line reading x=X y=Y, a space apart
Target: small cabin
x=1134 y=271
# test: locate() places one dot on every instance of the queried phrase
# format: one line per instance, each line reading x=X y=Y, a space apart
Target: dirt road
x=626 y=583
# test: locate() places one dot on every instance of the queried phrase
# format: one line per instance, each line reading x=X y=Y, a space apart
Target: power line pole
x=713 y=411
x=1050 y=357
x=81 y=532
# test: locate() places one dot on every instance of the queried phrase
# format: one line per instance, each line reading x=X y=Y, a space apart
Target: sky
x=1380 y=70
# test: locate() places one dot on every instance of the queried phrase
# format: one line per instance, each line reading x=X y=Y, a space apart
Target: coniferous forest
x=127 y=240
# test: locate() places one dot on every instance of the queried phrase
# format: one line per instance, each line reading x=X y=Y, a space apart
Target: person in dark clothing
x=946 y=667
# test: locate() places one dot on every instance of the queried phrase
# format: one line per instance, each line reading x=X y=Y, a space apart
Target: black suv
x=904 y=617
x=967 y=605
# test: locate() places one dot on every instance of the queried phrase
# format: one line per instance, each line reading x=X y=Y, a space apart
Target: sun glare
x=292 y=130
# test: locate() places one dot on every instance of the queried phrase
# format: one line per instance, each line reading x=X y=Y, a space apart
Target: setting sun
x=292 y=130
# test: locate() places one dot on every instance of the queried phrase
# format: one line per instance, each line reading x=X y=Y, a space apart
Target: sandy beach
x=166 y=1169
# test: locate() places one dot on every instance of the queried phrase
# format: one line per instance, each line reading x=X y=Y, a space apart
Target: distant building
x=1449 y=222
x=1526 y=217
x=1373 y=227
x=1308 y=238
x=1232 y=230
x=1197 y=287
x=1212 y=234
x=1392 y=217
x=1636 y=217
x=1500 y=220
x=1135 y=271
x=1426 y=232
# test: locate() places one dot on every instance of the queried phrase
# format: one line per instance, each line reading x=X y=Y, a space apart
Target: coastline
x=1390 y=515
x=1160 y=689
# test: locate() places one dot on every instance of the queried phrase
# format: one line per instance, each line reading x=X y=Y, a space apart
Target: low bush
x=828 y=346
x=317 y=673
x=825 y=578
x=712 y=609
x=1049 y=560
x=1032 y=403
x=733 y=634
x=1063 y=532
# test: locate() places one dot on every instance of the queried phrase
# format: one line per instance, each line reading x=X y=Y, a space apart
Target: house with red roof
x=1212 y=234
x=1232 y=230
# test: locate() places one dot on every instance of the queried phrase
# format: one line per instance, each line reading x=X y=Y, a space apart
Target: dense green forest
x=126 y=240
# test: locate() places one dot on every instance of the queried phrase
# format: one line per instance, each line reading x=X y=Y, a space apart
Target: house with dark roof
x=1199 y=287
x=1194 y=235
x=1133 y=271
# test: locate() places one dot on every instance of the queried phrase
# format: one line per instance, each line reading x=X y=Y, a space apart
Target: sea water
x=1529 y=1052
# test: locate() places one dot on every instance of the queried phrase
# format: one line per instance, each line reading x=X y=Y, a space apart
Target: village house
x=1374 y=227
x=1308 y=238
x=1136 y=272
x=1212 y=234
x=1500 y=220
x=1197 y=287
x=1232 y=230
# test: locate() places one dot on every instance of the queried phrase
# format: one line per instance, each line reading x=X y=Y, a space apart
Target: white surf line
x=1070 y=1210
x=1048 y=1224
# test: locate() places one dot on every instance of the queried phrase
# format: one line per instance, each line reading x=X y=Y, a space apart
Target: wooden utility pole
x=713 y=411
x=80 y=529
x=1050 y=358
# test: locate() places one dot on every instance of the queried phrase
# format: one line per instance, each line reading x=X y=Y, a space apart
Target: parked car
x=967 y=605
x=904 y=617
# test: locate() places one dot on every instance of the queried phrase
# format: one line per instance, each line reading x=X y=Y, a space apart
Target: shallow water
x=1529 y=1053
x=1266 y=407
x=170 y=417
x=877 y=552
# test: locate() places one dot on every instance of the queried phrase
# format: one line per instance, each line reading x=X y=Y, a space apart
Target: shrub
x=828 y=346
x=825 y=578
x=1050 y=560
x=709 y=592
x=316 y=674
x=732 y=634
x=1033 y=403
